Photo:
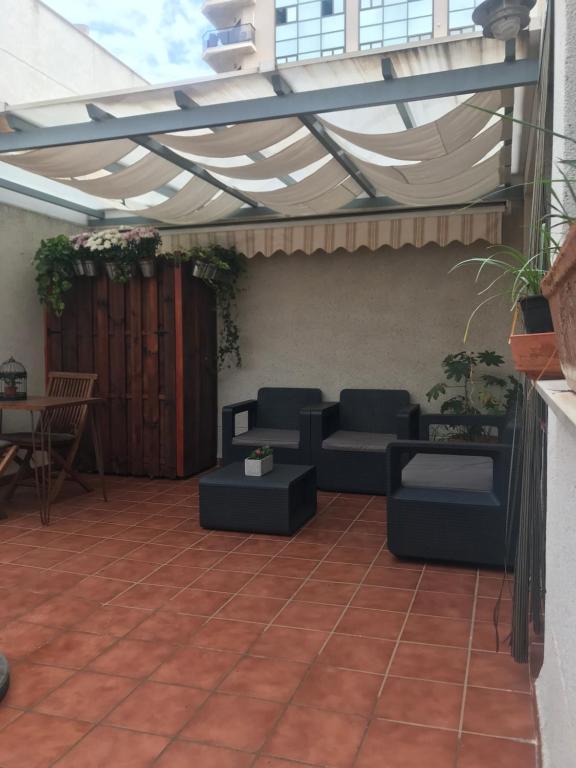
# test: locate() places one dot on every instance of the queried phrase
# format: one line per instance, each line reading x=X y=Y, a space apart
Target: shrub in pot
x=54 y=264
x=144 y=242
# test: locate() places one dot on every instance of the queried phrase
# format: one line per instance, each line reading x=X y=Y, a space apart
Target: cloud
x=162 y=43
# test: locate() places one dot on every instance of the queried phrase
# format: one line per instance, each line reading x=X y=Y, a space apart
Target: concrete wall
x=42 y=56
x=556 y=686
x=368 y=319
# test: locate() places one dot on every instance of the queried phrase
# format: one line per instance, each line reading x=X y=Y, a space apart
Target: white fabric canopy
x=218 y=208
x=145 y=175
x=195 y=194
x=77 y=160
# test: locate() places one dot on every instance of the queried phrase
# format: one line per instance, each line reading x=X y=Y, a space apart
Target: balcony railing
x=241 y=33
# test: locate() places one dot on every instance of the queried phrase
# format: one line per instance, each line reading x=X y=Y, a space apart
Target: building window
x=391 y=22
x=460 y=17
x=309 y=29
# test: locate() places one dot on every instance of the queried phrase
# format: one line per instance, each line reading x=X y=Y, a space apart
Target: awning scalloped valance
x=350 y=234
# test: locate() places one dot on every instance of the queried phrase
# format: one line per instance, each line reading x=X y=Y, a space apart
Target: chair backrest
x=71 y=419
x=279 y=407
x=371 y=410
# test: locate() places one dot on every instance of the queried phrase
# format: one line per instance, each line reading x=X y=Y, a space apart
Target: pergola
x=411 y=146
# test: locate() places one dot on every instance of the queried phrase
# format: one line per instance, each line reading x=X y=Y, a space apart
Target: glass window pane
x=327 y=7
x=286 y=48
x=333 y=40
x=338 y=6
x=291 y=14
x=310 y=55
x=370 y=34
x=284 y=3
x=461 y=19
x=459 y=5
x=333 y=23
x=311 y=11
x=286 y=32
x=311 y=27
x=394 y=40
x=395 y=29
x=373 y=16
x=419 y=8
x=420 y=26
x=395 y=12
x=306 y=44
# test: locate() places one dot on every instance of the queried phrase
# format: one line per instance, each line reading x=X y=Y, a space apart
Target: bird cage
x=13 y=380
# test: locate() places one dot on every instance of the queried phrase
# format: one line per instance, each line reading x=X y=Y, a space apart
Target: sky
x=160 y=39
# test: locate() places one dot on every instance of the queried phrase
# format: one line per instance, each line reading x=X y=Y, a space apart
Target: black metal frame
x=353 y=471
x=453 y=525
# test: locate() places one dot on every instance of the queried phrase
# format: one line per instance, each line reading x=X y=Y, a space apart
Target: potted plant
x=113 y=246
x=476 y=392
x=259 y=462
x=145 y=242
x=54 y=264
x=85 y=263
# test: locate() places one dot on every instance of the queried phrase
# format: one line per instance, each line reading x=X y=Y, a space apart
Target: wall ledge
x=560 y=398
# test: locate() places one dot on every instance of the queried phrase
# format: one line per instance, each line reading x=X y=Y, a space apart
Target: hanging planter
x=90 y=267
x=559 y=286
x=120 y=272
x=148 y=267
x=536 y=355
x=204 y=270
x=78 y=267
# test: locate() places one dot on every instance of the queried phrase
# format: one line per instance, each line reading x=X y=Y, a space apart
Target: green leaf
x=489 y=358
x=436 y=391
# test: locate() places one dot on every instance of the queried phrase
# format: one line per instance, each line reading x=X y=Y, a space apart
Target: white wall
x=367 y=319
x=556 y=685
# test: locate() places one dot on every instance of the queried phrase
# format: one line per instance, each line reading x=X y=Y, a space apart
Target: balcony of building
x=224 y=49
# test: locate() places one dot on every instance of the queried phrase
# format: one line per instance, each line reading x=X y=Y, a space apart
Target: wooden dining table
x=39 y=407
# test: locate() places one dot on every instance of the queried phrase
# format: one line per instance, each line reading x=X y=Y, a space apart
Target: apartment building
x=262 y=33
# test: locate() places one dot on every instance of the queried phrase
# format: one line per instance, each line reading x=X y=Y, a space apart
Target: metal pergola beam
x=487 y=77
x=97 y=114
x=281 y=88
x=389 y=74
x=46 y=197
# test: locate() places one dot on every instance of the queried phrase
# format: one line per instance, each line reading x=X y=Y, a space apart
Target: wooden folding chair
x=66 y=426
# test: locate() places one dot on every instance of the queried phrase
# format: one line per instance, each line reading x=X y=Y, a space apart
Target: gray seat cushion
x=26 y=439
x=275 y=438
x=346 y=440
x=448 y=472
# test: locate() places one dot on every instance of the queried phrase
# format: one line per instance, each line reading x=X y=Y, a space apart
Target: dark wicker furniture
x=278 y=418
x=350 y=438
x=452 y=500
x=277 y=503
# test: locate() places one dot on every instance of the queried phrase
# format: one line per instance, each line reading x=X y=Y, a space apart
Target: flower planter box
x=536 y=355
x=559 y=287
x=258 y=467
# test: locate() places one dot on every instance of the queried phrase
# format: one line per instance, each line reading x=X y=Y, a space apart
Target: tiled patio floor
x=137 y=639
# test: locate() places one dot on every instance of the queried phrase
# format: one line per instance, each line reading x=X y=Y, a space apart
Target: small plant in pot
x=85 y=264
x=259 y=462
x=144 y=241
x=112 y=246
x=54 y=264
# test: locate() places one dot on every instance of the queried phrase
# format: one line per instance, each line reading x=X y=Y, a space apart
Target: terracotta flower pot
x=536 y=355
x=559 y=287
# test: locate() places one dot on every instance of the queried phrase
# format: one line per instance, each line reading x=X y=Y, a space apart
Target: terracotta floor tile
x=198 y=667
x=309 y=616
x=37 y=741
x=306 y=550
x=430 y=662
x=499 y=713
x=72 y=649
x=155 y=553
x=112 y=620
x=236 y=722
x=328 y=739
x=486 y=606
x=289 y=643
x=62 y=611
x=187 y=754
x=275 y=762
x=492 y=587
x=271 y=679
x=361 y=653
x=40 y=557
x=145 y=596
x=98 y=589
x=339 y=689
x=85 y=563
x=483 y=751
x=486 y=637
x=113 y=548
x=421 y=702
x=290 y=566
x=437 y=631
x=86 y=696
x=261 y=547
x=443 y=604
x=223 y=581
x=406 y=746
x=498 y=670
x=200 y=602
x=266 y=585
x=383 y=598
x=251 y=608
x=168 y=627
x=368 y=623
x=358 y=555
x=453 y=583
x=327 y=592
x=8 y=715
x=19 y=638
x=198 y=558
x=29 y=683
x=218 y=543
x=348 y=573
x=173 y=576
x=105 y=747
x=401 y=578
x=132 y=658
x=157 y=708
x=228 y=634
